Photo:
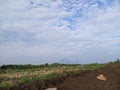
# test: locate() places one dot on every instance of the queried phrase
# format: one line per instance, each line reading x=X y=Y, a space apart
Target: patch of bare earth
x=87 y=80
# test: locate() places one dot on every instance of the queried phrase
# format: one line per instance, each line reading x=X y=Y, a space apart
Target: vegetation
x=5 y=85
x=19 y=74
x=115 y=62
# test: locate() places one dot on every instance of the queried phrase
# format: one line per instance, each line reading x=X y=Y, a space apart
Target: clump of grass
x=48 y=76
x=27 y=79
x=5 y=85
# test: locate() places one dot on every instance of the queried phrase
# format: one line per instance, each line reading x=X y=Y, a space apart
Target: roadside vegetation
x=11 y=75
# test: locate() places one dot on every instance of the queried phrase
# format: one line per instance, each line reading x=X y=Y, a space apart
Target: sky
x=51 y=31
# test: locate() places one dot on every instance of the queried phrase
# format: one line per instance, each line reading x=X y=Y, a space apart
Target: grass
x=27 y=79
x=93 y=66
x=11 y=77
x=5 y=85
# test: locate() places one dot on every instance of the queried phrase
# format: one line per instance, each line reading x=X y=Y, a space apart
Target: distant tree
x=118 y=60
x=46 y=64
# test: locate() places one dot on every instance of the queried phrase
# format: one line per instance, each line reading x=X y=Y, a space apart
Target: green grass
x=68 y=70
x=5 y=85
x=93 y=66
x=27 y=79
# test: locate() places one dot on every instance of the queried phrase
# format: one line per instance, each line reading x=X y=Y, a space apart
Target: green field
x=11 y=75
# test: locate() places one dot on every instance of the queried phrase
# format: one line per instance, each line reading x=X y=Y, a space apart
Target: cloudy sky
x=40 y=31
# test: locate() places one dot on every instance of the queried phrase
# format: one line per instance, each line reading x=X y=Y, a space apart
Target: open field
x=64 y=77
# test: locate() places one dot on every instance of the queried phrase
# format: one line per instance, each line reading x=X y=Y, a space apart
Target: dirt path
x=86 y=80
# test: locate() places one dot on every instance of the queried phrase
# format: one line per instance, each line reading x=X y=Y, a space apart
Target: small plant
x=27 y=79
x=5 y=85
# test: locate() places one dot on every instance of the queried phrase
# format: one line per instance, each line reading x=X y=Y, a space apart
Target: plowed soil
x=82 y=80
x=86 y=80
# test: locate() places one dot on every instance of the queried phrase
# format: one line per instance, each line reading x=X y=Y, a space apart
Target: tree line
x=30 y=66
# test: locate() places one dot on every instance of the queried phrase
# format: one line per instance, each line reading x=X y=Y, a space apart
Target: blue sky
x=40 y=31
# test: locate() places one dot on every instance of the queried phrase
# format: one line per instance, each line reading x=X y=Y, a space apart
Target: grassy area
x=10 y=77
x=5 y=85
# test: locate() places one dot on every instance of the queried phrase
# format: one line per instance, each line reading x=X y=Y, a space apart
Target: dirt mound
x=82 y=80
x=87 y=80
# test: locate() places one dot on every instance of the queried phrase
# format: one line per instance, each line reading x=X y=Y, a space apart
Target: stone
x=101 y=77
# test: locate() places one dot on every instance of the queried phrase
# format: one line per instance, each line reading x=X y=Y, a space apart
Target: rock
x=101 y=77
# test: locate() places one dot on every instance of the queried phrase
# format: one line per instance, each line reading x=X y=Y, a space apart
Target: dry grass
x=14 y=77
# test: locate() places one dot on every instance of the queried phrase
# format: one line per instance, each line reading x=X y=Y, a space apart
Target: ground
x=86 y=80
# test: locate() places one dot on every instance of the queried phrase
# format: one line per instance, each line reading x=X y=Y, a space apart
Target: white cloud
x=52 y=30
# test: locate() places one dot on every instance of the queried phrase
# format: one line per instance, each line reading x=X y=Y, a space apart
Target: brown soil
x=82 y=80
x=87 y=80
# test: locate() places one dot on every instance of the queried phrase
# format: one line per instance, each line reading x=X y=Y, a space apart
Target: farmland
x=46 y=75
